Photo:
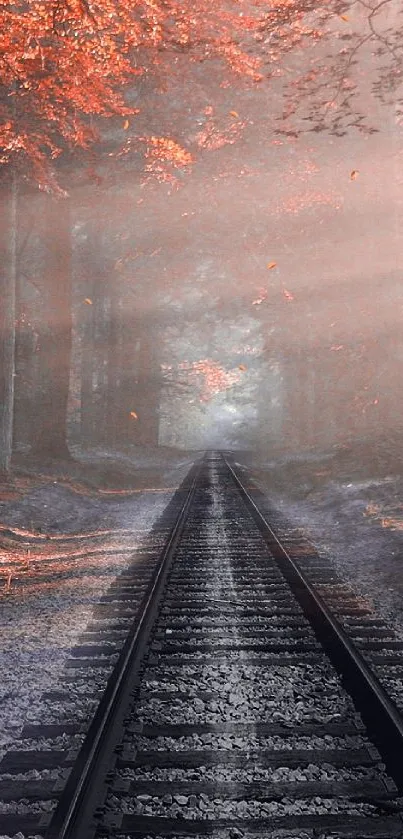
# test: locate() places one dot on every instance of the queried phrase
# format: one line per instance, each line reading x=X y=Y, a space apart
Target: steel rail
x=83 y=790
x=380 y=714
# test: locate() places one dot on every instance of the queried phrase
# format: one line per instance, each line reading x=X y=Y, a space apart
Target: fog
x=222 y=270
x=249 y=296
x=303 y=354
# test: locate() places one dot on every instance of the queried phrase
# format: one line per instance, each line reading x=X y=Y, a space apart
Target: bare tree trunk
x=123 y=364
x=86 y=374
x=115 y=433
x=148 y=388
x=50 y=438
x=8 y=238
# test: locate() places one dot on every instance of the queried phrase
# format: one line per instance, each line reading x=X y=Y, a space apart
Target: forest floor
x=351 y=508
x=70 y=495
x=67 y=530
x=96 y=491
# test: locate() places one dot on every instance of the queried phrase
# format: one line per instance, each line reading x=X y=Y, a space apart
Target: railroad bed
x=232 y=709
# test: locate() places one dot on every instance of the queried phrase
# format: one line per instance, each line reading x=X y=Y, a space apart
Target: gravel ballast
x=238 y=688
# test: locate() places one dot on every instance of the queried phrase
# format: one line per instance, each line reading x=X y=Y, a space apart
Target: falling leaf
x=262 y=296
x=344 y=17
x=88 y=300
x=287 y=294
x=354 y=174
x=242 y=367
x=271 y=264
x=126 y=124
x=234 y=113
x=133 y=414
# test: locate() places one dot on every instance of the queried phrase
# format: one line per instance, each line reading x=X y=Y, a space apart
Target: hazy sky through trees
x=254 y=228
x=272 y=182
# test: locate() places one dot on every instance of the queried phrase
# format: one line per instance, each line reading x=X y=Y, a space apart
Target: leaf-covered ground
x=352 y=510
x=55 y=516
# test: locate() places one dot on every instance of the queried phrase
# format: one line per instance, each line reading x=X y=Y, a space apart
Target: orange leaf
x=354 y=175
x=271 y=264
x=242 y=367
x=344 y=17
x=126 y=124
x=234 y=113
x=133 y=414
x=88 y=300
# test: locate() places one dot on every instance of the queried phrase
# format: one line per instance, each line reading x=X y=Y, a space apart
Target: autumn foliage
x=63 y=63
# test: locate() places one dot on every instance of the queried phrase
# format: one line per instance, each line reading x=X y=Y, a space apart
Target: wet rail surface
x=229 y=712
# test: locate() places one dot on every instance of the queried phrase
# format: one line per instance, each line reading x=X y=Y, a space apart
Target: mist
x=222 y=269
x=200 y=226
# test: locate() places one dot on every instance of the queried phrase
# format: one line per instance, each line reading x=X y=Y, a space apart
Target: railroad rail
x=245 y=700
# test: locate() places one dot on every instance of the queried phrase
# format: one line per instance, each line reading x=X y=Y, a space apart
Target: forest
x=200 y=233
x=200 y=222
x=201 y=206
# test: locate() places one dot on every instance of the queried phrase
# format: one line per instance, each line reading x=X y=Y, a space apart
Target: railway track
x=245 y=700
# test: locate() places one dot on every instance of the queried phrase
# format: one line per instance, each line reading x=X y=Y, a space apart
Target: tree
x=8 y=232
x=54 y=347
x=65 y=64
x=59 y=63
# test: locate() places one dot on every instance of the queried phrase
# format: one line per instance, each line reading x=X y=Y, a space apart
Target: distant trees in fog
x=65 y=64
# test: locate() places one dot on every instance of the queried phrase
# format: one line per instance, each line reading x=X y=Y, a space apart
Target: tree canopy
x=63 y=63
